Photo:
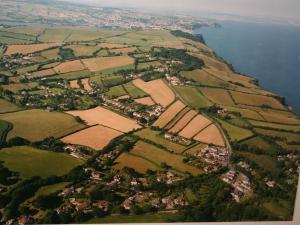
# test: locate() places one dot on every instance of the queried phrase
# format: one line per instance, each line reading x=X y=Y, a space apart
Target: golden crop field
x=158 y=90
x=105 y=117
x=102 y=63
x=211 y=135
x=145 y=101
x=74 y=84
x=194 y=126
x=256 y=100
x=169 y=114
x=70 y=66
x=6 y=106
x=26 y=49
x=96 y=137
x=218 y=96
x=183 y=121
x=86 y=84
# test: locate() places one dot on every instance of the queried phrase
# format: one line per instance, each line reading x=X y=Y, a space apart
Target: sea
x=268 y=52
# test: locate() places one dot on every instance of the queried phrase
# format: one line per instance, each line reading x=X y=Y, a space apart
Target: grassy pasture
x=277 y=116
x=36 y=125
x=27 y=69
x=29 y=162
x=50 y=189
x=263 y=161
x=192 y=97
x=72 y=75
x=279 y=134
x=133 y=91
x=137 y=163
x=114 y=80
x=262 y=124
x=256 y=100
x=116 y=91
x=54 y=35
x=235 y=133
x=202 y=77
x=260 y=143
x=145 y=218
x=158 y=139
x=6 y=106
x=156 y=155
x=218 y=96
x=20 y=86
x=148 y=64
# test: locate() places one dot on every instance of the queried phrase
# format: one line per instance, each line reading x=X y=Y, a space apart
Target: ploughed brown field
x=105 y=117
x=169 y=114
x=26 y=49
x=86 y=85
x=96 y=137
x=74 y=84
x=102 y=63
x=158 y=90
x=197 y=124
x=183 y=121
x=145 y=101
x=70 y=66
x=210 y=135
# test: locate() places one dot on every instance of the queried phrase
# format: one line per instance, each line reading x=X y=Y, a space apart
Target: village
x=240 y=183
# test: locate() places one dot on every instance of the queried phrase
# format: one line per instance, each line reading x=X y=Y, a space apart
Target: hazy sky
x=267 y=8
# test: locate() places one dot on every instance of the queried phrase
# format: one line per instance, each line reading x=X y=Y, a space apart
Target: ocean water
x=268 y=52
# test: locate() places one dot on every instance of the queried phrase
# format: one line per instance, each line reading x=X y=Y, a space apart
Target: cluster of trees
x=66 y=53
x=189 y=62
x=196 y=37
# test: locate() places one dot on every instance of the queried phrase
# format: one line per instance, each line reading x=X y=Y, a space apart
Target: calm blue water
x=270 y=53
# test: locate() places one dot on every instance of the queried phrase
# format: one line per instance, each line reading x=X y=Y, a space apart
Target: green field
x=72 y=75
x=260 y=143
x=158 y=139
x=133 y=91
x=235 y=133
x=145 y=218
x=289 y=136
x=112 y=80
x=20 y=86
x=116 y=91
x=192 y=97
x=262 y=161
x=158 y=156
x=30 y=162
x=49 y=189
x=36 y=125
x=262 y=124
